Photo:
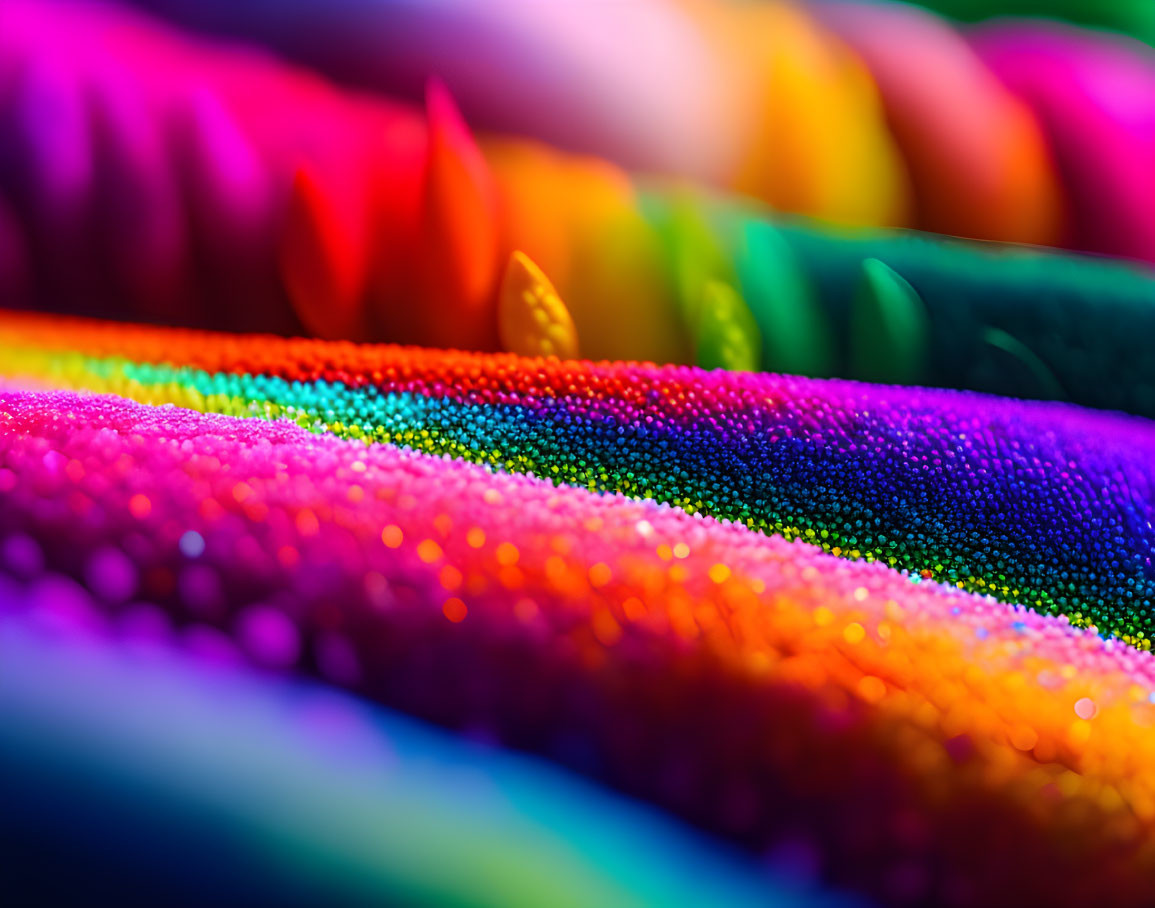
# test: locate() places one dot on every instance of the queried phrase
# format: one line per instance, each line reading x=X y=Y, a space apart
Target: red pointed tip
x=439 y=104
x=461 y=229
x=449 y=134
x=321 y=264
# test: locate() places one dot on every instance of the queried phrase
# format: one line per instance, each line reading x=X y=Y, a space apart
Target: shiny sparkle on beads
x=763 y=689
x=1042 y=505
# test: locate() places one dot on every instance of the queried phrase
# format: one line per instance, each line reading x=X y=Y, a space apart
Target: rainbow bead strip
x=1042 y=505
x=919 y=743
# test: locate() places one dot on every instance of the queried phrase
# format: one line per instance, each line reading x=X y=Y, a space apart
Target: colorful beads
x=658 y=565
x=767 y=691
x=988 y=495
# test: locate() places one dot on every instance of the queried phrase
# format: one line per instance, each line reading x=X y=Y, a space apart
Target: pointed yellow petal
x=533 y=320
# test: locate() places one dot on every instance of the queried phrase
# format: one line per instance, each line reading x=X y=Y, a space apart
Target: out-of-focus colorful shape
x=723 y=93
x=813 y=107
x=360 y=219
x=294 y=793
x=1131 y=17
x=978 y=160
x=1096 y=100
